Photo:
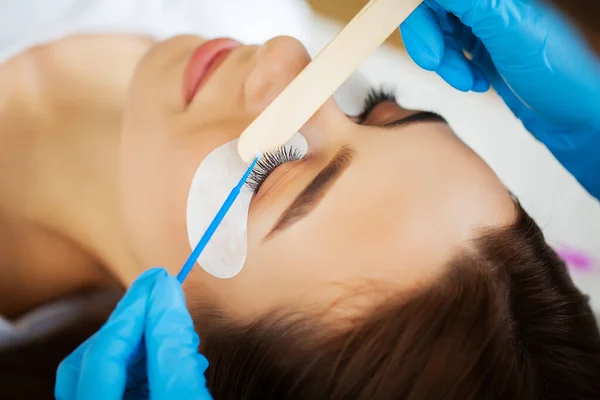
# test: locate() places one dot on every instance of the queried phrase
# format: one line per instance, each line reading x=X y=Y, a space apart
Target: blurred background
x=569 y=217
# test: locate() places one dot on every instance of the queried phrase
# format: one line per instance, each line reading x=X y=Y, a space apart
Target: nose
x=279 y=61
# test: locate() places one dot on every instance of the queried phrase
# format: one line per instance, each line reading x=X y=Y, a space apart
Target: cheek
x=154 y=186
x=157 y=173
x=158 y=157
x=157 y=166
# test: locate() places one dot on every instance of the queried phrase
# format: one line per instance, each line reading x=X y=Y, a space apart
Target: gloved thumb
x=423 y=38
x=175 y=368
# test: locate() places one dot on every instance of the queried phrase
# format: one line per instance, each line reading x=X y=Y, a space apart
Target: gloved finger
x=422 y=37
x=455 y=69
x=470 y=43
x=67 y=373
x=175 y=368
x=480 y=81
x=111 y=350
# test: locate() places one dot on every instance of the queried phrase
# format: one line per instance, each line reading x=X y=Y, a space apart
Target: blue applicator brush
x=191 y=261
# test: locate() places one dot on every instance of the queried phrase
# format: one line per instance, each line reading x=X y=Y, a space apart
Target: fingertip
x=423 y=38
x=456 y=71
x=202 y=363
x=480 y=83
x=151 y=273
x=146 y=280
x=424 y=56
x=168 y=291
x=459 y=80
x=139 y=290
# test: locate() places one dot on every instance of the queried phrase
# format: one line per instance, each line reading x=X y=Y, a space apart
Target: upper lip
x=203 y=62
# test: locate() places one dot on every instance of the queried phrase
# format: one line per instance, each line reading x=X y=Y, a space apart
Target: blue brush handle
x=191 y=261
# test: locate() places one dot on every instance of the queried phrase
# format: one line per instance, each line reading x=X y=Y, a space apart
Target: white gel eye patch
x=225 y=254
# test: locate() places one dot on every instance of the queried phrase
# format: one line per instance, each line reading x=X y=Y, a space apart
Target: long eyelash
x=267 y=164
x=374 y=97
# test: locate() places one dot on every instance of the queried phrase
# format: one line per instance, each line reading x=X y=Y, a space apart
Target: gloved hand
x=535 y=61
x=148 y=348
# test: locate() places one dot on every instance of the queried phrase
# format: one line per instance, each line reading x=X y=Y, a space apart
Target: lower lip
x=205 y=60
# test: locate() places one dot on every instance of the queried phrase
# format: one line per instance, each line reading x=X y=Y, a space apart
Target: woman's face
x=386 y=201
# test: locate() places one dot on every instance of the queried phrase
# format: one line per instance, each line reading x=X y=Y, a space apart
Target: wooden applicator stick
x=323 y=76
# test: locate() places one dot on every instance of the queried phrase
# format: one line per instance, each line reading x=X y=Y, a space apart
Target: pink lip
x=205 y=60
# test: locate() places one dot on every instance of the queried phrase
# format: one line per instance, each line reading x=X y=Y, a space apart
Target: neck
x=59 y=176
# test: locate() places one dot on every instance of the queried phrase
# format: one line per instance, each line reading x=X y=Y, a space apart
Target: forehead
x=412 y=197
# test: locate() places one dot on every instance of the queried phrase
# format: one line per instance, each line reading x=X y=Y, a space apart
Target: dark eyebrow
x=314 y=192
x=421 y=116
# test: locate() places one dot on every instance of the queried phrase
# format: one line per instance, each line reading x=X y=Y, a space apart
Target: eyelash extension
x=374 y=97
x=268 y=163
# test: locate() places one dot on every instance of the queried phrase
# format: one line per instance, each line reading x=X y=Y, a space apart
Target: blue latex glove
x=147 y=349
x=535 y=61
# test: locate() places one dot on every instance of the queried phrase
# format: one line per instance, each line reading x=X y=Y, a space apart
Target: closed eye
x=380 y=95
x=375 y=97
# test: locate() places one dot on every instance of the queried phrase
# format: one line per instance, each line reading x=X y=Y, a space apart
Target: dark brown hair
x=504 y=322
x=28 y=372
